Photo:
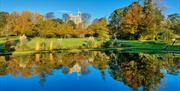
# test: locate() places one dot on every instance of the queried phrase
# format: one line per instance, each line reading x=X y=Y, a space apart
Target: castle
x=75 y=19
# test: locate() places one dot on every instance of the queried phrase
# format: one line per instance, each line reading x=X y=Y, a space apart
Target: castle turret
x=75 y=19
x=79 y=13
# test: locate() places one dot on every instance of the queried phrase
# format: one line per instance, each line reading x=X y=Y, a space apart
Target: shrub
x=114 y=43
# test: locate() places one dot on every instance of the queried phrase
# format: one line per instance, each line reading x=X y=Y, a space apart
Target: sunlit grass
x=76 y=43
x=57 y=42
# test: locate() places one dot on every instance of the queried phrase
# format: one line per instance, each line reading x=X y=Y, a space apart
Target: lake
x=90 y=71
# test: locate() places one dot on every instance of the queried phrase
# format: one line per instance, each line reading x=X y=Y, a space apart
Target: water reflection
x=136 y=70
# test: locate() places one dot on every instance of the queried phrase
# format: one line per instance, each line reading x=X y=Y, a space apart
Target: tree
x=97 y=25
x=12 y=24
x=85 y=17
x=37 y=19
x=65 y=17
x=103 y=34
x=115 y=21
x=174 y=23
x=132 y=22
x=126 y=23
x=148 y=8
x=49 y=15
x=24 y=23
x=174 y=17
x=3 y=21
x=71 y=23
x=66 y=29
x=58 y=20
x=47 y=28
x=137 y=22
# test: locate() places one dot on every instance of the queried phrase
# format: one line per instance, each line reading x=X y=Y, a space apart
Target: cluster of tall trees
x=143 y=22
x=34 y=24
x=135 y=22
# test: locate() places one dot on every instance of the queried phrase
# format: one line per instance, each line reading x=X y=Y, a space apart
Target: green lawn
x=3 y=39
x=140 y=46
x=143 y=44
x=76 y=43
x=57 y=43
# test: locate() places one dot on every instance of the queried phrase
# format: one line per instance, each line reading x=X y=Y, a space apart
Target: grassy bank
x=57 y=42
x=77 y=43
x=134 y=45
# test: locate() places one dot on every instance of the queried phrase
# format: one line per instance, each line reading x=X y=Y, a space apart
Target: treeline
x=143 y=22
x=133 y=22
x=34 y=24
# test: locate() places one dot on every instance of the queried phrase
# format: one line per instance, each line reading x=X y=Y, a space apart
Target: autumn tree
x=12 y=25
x=99 y=29
x=47 y=28
x=71 y=23
x=138 y=22
x=126 y=23
x=37 y=19
x=3 y=22
x=66 y=29
x=24 y=22
x=132 y=21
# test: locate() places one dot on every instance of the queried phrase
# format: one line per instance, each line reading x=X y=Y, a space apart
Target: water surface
x=90 y=71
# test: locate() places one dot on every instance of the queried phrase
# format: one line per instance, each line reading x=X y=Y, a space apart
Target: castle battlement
x=75 y=18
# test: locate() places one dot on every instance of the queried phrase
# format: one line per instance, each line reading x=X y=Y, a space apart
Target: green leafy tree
x=60 y=21
x=174 y=23
x=116 y=21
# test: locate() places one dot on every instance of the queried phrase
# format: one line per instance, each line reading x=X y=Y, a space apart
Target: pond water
x=90 y=71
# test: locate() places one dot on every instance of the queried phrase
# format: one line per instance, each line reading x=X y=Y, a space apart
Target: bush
x=114 y=43
x=90 y=43
x=107 y=44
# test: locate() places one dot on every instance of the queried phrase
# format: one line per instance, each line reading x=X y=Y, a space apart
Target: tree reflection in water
x=43 y=64
x=133 y=69
x=142 y=70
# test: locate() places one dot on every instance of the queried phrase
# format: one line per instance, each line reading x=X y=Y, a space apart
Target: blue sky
x=97 y=8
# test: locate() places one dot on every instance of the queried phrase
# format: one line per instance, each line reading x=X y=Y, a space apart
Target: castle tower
x=76 y=19
x=79 y=13
x=71 y=14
